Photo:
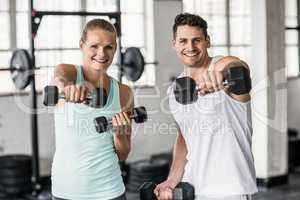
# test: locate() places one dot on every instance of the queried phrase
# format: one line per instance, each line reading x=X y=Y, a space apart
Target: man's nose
x=190 y=45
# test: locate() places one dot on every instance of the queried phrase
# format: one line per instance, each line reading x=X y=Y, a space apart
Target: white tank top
x=217 y=130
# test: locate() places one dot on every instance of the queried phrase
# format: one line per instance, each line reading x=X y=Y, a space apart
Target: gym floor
x=286 y=192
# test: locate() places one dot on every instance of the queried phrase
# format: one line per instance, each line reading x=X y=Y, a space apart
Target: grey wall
x=157 y=135
x=15 y=136
x=293 y=106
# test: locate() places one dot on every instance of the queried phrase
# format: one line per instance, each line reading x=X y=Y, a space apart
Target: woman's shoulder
x=66 y=68
x=67 y=71
x=126 y=97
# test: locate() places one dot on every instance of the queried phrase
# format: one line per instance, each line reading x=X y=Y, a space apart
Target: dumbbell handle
x=183 y=191
x=61 y=95
x=225 y=83
x=139 y=115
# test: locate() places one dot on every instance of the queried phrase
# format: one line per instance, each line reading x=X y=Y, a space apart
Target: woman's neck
x=96 y=78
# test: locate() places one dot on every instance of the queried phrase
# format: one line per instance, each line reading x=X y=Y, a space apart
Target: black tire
x=149 y=166
x=15 y=161
x=12 y=172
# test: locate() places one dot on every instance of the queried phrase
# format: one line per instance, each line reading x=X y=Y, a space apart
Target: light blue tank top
x=85 y=164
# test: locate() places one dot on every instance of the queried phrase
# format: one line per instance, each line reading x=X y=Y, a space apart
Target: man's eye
x=94 y=46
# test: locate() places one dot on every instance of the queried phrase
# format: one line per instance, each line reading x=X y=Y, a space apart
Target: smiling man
x=212 y=150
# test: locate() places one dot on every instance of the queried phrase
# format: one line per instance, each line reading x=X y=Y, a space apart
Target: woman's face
x=99 y=49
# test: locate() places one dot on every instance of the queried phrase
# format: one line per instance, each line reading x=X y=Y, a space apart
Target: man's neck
x=198 y=70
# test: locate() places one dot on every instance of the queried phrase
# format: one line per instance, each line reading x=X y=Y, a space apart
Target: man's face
x=191 y=45
x=99 y=49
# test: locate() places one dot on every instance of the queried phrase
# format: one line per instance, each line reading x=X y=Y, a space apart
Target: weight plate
x=15 y=161
x=14 y=181
x=21 y=68
x=133 y=63
x=149 y=166
x=160 y=172
x=11 y=172
x=15 y=190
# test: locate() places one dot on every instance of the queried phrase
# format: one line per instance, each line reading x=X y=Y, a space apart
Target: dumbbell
x=183 y=191
x=139 y=115
x=95 y=99
x=237 y=79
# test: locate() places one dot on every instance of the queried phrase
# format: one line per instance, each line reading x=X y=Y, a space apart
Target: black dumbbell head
x=140 y=114
x=146 y=191
x=185 y=191
x=50 y=95
x=239 y=80
x=98 y=98
x=101 y=124
x=185 y=90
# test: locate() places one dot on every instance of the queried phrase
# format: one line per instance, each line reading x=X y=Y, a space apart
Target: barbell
x=21 y=66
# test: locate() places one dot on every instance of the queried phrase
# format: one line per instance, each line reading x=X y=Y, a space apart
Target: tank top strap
x=79 y=75
x=213 y=62
x=113 y=100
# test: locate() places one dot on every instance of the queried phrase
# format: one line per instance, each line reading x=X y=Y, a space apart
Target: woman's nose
x=100 y=51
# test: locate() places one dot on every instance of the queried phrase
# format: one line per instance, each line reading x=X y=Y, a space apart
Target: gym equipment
x=21 y=68
x=238 y=80
x=95 y=99
x=139 y=115
x=133 y=63
x=15 y=175
x=146 y=170
x=183 y=191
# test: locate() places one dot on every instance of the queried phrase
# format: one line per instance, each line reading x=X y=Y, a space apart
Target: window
x=5 y=40
x=292 y=38
x=229 y=25
x=58 y=36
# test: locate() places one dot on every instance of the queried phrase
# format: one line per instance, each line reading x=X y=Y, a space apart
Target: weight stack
x=15 y=176
x=146 y=170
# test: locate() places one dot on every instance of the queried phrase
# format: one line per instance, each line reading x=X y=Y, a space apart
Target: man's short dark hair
x=190 y=20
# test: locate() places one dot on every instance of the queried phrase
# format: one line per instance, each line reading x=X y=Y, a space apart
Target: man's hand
x=210 y=81
x=164 y=191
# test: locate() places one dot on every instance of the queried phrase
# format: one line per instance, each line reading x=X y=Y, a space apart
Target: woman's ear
x=81 y=43
x=208 y=41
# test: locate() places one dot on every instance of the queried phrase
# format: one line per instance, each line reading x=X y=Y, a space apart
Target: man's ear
x=173 y=43
x=208 y=41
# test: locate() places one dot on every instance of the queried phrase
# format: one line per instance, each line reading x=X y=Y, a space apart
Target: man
x=212 y=150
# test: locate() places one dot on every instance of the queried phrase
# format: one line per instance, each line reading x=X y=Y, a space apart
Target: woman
x=85 y=164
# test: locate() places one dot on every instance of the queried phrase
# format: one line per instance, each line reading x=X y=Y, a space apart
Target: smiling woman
x=92 y=159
